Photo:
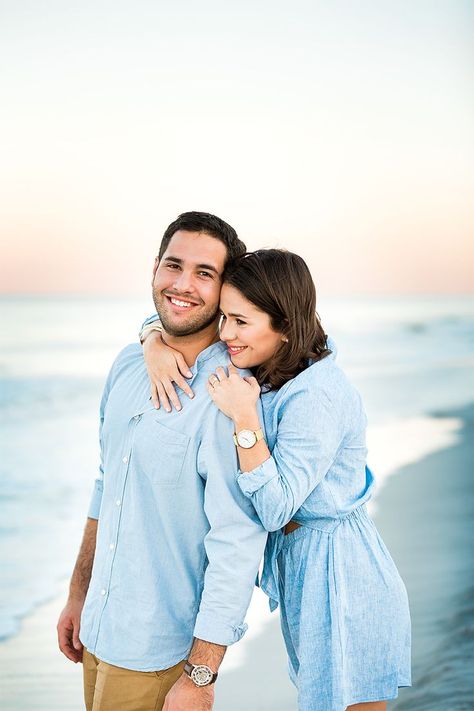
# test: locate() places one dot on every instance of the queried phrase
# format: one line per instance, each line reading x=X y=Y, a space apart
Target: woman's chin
x=242 y=362
x=238 y=362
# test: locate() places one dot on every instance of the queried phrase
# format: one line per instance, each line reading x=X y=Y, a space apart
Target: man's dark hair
x=210 y=225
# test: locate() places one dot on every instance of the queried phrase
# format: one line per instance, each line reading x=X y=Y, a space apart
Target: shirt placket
x=114 y=534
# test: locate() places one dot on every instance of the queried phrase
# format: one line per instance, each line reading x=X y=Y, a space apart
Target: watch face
x=201 y=675
x=246 y=439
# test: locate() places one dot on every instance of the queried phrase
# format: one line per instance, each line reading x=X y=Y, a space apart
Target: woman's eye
x=239 y=322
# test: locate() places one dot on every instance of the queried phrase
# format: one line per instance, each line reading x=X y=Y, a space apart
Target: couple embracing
x=265 y=457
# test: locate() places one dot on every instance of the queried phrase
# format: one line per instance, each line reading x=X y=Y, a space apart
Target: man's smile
x=180 y=304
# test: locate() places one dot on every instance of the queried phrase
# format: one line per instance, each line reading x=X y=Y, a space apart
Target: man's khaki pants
x=109 y=688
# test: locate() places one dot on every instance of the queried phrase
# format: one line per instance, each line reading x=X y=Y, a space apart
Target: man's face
x=187 y=282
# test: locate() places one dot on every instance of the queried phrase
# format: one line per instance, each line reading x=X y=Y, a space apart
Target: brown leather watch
x=200 y=674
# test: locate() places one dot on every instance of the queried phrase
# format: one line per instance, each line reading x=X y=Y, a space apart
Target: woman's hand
x=235 y=396
x=165 y=366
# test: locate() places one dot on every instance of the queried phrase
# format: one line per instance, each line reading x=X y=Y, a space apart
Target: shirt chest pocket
x=161 y=453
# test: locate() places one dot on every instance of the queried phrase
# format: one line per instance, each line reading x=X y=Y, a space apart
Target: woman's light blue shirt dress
x=344 y=608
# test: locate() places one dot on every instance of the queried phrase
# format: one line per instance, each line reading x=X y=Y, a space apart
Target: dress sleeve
x=149 y=323
x=309 y=436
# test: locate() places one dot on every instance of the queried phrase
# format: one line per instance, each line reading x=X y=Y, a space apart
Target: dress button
x=118 y=502
x=125 y=460
x=112 y=546
x=102 y=592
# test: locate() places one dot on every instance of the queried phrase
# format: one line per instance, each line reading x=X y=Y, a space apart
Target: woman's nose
x=226 y=331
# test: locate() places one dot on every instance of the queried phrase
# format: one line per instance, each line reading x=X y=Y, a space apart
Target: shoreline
x=56 y=684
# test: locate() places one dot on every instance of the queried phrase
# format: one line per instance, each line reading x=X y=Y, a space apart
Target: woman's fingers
x=220 y=372
x=213 y=380
x=163 y=392
x=172 y=394
x=155 y=397
x=163 y=397
x=183 y=367
x=181 y=382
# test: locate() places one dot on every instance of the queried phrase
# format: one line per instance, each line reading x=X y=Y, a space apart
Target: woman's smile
x=235 y=350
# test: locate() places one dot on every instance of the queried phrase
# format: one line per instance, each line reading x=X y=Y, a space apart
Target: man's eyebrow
x=177 y=260
x=209 y=267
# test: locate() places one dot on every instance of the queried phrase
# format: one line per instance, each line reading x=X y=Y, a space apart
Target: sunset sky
x=341 y=130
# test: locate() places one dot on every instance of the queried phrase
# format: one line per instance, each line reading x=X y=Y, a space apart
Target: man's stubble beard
x=196 y=325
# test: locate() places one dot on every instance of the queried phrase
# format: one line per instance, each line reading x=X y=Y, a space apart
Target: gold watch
x=248 y=438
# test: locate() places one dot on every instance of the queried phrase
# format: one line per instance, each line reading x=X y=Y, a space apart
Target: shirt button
x=136 y=417
x=125 y=460
x=118 y=502
x=112 y=546
x=102 y=592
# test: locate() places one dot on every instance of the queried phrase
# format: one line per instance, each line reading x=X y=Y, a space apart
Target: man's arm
x=234 y=547
x=70 y=618
x=184 y=695
x=68 y=626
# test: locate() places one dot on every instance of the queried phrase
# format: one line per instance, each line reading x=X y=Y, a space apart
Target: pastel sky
x=340 y=130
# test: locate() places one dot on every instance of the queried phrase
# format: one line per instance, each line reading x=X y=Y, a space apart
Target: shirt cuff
x=96 y=500
x=252 y=481
x=212 y=630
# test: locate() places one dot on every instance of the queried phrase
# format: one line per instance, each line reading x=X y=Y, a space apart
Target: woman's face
x=246 y=330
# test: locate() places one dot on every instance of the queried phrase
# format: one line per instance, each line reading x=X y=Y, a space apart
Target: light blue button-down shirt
x=178 y=544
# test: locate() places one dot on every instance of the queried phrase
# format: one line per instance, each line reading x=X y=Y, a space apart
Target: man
x=171 y=547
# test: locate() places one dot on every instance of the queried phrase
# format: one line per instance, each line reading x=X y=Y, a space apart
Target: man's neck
x=191 y=346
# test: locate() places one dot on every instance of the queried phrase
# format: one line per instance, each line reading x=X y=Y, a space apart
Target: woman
x=344 y=609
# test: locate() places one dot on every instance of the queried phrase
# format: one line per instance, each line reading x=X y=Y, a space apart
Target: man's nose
x=183 y=282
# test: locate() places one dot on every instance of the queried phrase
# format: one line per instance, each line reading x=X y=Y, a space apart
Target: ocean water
x=411 y=358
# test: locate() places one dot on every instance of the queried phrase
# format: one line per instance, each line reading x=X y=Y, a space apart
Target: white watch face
x=201 y=675
x=246 y=439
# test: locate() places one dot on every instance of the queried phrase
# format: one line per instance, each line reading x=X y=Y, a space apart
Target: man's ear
x=155 y=267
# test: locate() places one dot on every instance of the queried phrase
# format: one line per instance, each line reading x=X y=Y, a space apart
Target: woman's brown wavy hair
x=280 y=284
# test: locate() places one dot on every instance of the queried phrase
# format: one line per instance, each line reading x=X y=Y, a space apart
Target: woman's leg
x=369 y=706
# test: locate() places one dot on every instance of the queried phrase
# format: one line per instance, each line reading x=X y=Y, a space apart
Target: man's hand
x=70 y=618
x=68 y=630
x=184 y=695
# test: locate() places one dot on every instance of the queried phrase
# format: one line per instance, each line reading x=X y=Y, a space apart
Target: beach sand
x=426 y=516
x=423 y=513
x=35 y=675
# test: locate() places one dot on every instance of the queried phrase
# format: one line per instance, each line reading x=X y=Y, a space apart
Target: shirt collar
x=215 y=349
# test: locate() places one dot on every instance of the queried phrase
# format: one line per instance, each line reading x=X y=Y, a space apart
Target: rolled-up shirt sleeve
x=96 y=497
x=309 y=436
x=235 y=541
x=154 y=318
